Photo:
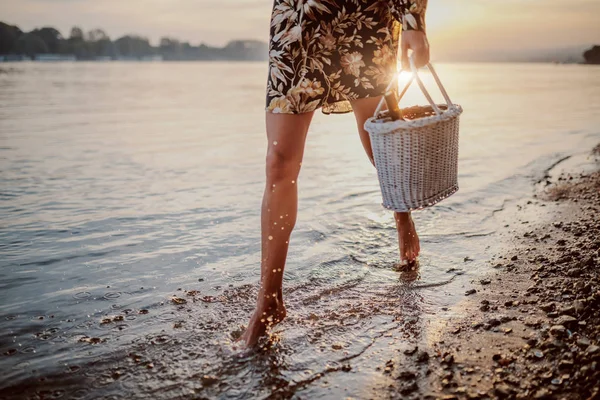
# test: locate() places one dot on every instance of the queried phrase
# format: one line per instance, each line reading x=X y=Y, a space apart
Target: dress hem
x=323 y=107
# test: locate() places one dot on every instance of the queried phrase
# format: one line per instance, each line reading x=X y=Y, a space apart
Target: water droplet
x=112 y=295
x=270 y=237
x=82 y=295
x=274 y=142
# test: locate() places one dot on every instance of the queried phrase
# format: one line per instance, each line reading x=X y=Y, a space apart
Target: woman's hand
x=417 y=42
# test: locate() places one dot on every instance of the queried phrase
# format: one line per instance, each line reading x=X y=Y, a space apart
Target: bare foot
x=408 y=239
x=409 y=272
x=269 y=312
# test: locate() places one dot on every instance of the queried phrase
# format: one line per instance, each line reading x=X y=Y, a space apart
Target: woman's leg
x=408 y=240
x=286 y=134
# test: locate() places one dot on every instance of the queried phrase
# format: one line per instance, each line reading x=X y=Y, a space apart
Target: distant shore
x=158 y=59
x=49 y=44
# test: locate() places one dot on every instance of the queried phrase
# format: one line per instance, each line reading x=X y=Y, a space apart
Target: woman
x=338 y=55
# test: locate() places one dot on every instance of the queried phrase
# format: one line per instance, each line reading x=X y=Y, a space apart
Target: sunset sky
x=456 y=27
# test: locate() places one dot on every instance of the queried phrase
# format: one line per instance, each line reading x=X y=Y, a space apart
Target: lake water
x=124 y=184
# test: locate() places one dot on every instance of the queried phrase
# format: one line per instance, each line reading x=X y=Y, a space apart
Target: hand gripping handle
x=415 y=76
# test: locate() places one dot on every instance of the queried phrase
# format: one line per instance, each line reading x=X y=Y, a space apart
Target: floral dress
x=324 y=53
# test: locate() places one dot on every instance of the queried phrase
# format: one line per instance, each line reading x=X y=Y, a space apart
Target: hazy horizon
x=467 y=29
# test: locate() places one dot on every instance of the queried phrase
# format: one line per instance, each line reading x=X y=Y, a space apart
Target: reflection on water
x=130 y=201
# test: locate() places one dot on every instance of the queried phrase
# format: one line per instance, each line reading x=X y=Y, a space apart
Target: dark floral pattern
x=325 y=53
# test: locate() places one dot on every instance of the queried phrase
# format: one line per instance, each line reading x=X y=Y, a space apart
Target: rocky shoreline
x=531 y=329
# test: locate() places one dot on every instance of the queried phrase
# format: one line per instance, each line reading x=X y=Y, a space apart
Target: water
x=124 y=184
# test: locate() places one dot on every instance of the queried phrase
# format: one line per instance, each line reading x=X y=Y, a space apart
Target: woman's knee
x=281 y=166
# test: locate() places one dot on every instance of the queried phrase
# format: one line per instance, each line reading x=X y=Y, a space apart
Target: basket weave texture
x=416 y=161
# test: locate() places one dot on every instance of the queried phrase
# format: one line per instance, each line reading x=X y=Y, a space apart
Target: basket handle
x=415 y=76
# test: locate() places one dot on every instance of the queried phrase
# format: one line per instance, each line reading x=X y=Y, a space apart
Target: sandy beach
x=531 y=329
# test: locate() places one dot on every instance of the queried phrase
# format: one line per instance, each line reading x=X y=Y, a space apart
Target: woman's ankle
x=403 y=218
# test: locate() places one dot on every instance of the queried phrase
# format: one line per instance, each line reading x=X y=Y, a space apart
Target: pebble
x=569 y=310
x=504 y=318
x=470 y=292
x=422 y=356
x=407 y=389
x=565 y=320
x=583 y=342
x=593 y=349
x=407 y=375
x=178 y=300
x=542 y=394
x=208 y=380
x=449 y=359
x=558 y=330
x=565 y=364
x=502 y=391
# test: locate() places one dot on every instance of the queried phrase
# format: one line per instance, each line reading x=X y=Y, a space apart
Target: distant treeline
x=592 y=56
x=96 y=44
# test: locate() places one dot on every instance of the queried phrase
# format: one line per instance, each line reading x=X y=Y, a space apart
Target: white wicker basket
x=416 y=160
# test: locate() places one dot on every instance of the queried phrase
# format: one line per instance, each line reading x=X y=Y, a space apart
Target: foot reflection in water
x=340 y=343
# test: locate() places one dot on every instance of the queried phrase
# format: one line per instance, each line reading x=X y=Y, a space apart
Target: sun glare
x=403 y=78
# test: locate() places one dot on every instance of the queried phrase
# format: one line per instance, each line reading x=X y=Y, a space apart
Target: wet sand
x=531 y=330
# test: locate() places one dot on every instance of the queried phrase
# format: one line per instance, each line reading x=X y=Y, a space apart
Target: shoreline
x=530 y=330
